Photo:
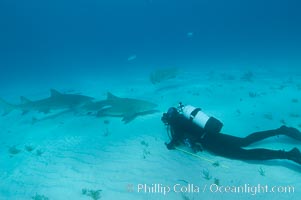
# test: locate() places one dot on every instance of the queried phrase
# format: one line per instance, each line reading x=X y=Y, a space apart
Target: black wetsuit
x=227 y=145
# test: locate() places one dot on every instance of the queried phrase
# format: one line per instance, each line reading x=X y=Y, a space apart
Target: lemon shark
x=127 y=108
x=56 y=101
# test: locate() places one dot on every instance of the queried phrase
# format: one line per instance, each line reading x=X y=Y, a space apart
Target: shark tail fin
x=7 y=107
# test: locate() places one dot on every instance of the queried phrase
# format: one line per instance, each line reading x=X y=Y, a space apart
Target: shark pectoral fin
x=129 y=117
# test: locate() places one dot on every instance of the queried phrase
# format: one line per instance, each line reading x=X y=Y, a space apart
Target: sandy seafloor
x=83 y=152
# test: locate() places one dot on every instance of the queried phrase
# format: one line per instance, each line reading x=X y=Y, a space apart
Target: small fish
x=190 y=34
x=132 y=57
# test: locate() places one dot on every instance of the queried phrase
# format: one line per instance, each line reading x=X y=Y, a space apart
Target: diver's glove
x=169 y=146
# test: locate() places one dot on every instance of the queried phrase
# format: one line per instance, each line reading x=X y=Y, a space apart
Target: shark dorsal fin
x=111 y=96
x=54 y=93
x=24 y=100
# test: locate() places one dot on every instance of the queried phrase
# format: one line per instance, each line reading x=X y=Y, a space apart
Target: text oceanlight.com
x=213 y=188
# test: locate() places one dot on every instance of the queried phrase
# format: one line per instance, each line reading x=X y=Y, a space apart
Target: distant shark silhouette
x=126 y=108
x=56 y=101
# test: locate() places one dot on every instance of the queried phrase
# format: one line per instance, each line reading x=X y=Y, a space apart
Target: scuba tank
x=209 y=124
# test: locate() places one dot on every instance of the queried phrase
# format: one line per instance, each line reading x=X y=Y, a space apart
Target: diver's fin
x=294 y=155
x=290 y=132
x=24 y=100
x=54 y=93
x=7 y=107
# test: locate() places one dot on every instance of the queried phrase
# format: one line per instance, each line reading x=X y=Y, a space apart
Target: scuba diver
x=189 y=125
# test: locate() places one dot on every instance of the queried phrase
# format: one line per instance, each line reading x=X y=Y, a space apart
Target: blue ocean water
x=53 y=39
x=92 y=47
